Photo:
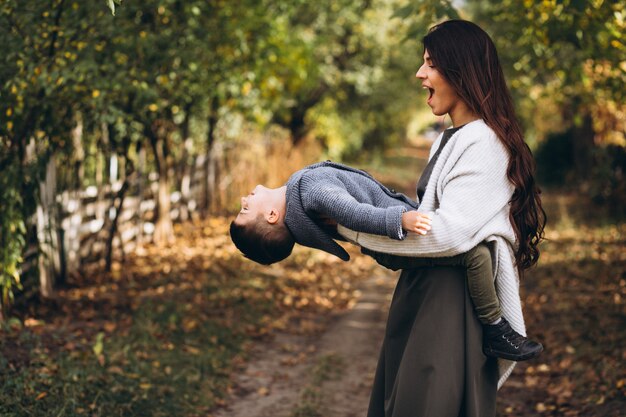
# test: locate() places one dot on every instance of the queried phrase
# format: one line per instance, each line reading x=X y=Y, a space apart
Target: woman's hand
x=416 y=222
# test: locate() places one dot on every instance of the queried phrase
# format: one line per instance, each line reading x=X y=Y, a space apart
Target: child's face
x=261 y=201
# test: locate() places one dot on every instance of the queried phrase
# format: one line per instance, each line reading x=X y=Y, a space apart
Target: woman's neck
x=461 y=115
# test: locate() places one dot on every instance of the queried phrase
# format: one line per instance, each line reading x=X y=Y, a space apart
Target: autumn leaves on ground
x=162 y=334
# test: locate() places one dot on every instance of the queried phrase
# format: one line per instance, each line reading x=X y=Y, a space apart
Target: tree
x=569 y=54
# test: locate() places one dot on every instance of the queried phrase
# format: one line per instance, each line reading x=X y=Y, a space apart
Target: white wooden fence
x=76 y=234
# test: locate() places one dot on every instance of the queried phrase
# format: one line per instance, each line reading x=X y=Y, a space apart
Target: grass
x=160 y=335
x=311 y=404
x=156 y=367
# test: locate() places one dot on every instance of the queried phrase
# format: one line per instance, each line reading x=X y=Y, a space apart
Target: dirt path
x=331 y=375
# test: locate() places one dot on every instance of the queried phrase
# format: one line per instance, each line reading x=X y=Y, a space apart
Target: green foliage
x=569 y=54
x=12 y=234
x=167 y=68
x=555 y=160
x=607 y=186
x=422 y=14
x=339 y=71
x=566 y=66
x=608 y=183
x=155 y=369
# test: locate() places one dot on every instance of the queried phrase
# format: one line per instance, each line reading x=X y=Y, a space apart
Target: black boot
x=501 y=341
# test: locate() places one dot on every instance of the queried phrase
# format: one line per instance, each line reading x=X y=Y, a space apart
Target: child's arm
x=335 y=202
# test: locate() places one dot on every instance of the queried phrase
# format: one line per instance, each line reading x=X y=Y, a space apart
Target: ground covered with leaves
x=575 y=304
x=160 y=335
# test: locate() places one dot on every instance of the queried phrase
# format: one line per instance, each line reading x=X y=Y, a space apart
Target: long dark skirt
x=431 y=363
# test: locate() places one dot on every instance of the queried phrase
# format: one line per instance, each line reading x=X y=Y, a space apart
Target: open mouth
x=431 y=92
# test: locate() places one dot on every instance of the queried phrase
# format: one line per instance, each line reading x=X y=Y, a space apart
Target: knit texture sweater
x=346 y=195
x=468 y=195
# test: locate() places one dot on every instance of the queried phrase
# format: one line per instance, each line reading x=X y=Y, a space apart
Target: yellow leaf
x=153 y=107
x=543 y=368
x=41 y=396
x=110 y=327
x=189 y=325
x=116 y=370
x=95 y=93
x=30 y=322
x=246 y=88
x=192 y=350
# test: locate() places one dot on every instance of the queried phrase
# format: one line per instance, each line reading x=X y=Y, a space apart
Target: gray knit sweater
x=350 y=197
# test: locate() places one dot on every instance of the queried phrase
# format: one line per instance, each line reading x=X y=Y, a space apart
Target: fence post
x=47 y=232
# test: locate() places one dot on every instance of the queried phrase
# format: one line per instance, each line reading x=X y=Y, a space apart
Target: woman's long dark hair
x=466 y=56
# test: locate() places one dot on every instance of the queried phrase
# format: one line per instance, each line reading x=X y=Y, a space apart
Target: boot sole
x=514 y=358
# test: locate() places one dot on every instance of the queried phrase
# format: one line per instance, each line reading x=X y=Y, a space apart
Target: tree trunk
x=71 y=241
x=141 y=180
x=185 y=167
x=101 y=169
x=208 y=185
x=114 y=222
x=79 y=151
x=163 y=231
x=127 y=167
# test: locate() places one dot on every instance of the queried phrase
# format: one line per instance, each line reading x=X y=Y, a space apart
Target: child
x=317 y=198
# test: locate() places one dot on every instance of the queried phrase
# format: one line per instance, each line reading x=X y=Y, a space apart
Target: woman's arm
x=474 y=194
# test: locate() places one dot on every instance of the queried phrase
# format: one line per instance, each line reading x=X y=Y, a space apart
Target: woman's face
x=442 y=98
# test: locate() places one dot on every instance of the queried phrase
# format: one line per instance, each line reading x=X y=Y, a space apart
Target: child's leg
x=499 y=339
x=481 y=285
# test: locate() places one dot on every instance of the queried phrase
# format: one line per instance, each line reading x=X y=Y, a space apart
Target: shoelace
x=509 y=342
x=513 y=339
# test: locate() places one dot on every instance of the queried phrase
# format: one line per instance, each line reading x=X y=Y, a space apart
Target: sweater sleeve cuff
x=393 y=223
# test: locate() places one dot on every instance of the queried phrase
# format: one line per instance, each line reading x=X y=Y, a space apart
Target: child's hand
x=414 y=221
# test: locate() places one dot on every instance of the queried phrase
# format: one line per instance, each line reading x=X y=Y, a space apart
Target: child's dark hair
x=262 y=242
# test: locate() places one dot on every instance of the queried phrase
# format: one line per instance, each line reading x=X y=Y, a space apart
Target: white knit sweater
x=468 y=194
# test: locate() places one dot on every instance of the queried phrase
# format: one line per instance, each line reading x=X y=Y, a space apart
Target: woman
x=479 y=184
